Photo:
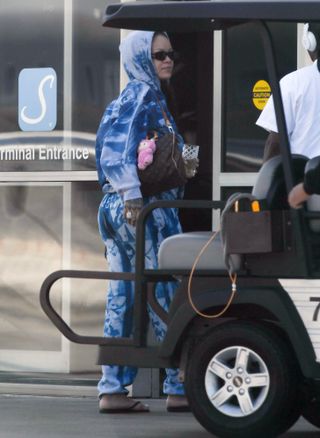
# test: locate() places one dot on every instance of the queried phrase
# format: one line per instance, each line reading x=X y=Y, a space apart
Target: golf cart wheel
x=311 y=412
x=241 y=381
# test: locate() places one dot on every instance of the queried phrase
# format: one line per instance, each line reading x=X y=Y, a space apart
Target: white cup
x=190 y=157
x=190 y=151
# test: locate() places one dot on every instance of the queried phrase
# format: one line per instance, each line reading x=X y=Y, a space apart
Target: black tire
x=311 y=412
x=271 y=406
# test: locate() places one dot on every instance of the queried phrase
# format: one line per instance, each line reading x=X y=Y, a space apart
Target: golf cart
x=254 y=369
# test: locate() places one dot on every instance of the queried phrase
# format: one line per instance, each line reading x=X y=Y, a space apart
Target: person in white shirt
x=300 y=91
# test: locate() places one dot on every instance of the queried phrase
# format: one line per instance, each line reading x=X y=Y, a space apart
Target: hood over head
x=135 y=50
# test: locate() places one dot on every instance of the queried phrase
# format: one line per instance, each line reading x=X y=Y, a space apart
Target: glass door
x=241 y=89
x=59 y=69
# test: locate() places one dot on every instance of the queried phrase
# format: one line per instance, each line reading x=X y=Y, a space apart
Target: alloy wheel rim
x=237 y=381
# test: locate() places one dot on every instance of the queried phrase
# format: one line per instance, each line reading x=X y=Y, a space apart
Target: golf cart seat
x=179 y=251
x=276 y=194
x=313 y=204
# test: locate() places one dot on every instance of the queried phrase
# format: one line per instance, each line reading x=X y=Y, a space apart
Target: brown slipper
x=177 y=403
x=120 y=404
x=136 y=407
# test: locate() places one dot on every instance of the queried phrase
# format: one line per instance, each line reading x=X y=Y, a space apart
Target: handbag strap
x=166 y=118
x=171 y=130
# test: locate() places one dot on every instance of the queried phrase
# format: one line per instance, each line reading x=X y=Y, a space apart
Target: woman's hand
x=131 y=210
x=191 y=167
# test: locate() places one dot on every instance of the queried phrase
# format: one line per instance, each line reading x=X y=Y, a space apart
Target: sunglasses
x=162 y=54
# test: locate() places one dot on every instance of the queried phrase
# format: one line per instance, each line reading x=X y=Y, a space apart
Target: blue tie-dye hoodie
x=128 y=119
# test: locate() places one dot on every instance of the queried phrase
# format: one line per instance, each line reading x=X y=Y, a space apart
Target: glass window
x=245 y=65
x=226 y=192
x=88 y=297
x=191 y=104
x=36 y=39
x=31 y=248
x=31 y=39
x=96 y=71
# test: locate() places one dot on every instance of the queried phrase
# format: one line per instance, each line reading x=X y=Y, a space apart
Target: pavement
x=46 y=405
x=27 y=416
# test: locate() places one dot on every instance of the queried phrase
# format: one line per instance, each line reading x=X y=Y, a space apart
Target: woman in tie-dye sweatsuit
x=124 y=124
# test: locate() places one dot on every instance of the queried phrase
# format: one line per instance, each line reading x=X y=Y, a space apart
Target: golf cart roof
x=206 y=15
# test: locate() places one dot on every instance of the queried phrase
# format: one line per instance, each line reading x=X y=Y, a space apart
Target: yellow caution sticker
x=260 y=94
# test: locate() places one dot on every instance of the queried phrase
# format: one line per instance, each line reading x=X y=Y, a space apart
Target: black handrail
x=140 y=278
x=140 y=297
x=299 y=226
x=61 y=325
x=278 y=104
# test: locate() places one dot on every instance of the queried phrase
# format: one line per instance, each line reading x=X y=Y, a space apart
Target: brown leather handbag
x=167 y=170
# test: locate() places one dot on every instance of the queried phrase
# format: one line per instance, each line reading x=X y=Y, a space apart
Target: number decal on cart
x=317 y=309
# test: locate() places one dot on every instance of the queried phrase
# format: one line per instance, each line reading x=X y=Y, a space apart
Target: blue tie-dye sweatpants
x=119 y=239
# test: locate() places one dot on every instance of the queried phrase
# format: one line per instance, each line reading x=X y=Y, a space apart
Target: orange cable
x=233 y=279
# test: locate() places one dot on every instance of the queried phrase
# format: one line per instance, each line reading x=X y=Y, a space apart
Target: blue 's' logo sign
x=37 y=99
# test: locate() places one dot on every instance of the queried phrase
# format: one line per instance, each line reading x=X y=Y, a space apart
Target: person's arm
x=310 y=185
x=118 y=158
x=267 y=121
x=297 y=196
x=119 y=152
x=267 y=118
x=272 y=146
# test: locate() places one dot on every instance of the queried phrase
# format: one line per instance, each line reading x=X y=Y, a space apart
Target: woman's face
x=161 y=46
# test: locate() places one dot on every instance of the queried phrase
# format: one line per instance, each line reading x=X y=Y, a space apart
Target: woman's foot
x=177 y=403
x=120 y=403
